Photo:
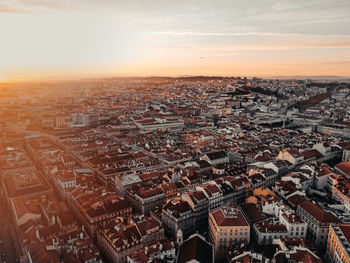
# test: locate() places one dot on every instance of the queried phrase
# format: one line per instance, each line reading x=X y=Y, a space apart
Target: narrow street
x=10 y=244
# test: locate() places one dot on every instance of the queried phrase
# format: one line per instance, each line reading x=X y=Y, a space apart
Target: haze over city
x=62 y=39
x=173 y=131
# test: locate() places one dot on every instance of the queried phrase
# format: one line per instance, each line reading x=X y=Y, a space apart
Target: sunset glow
x=175 y=131
x=74 y=39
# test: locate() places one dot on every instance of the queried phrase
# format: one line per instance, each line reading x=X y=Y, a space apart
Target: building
x=161 y=250
x=15 y=161
x=195 y=249
x=200 y=206
x=279 y=166
x=318 y=222
x=293 y=156
x=343 y=168
x=66 y=180
x=321 y=176
x=297 y=254
x=296 y=227
x=96 y=206
x=176 y=215
x=29 y=184
x=227 y=226
x=215 y=158
x=341 y=191
x=324 y=148
x=123 y=182
x=118 y=240
x=268 y=230
x=23 y=210
x=338 y=244
x=346 y=154
x=144 y=200
x=213 y=194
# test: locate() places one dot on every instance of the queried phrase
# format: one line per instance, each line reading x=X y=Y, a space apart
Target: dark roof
x=318 y=213
x=344 y=167
x=345 y=229
x=216 y=155
x=280 y=164
x=267 y=250
x=312 y=154
x=300 y=255
x=203 y=164
x=177 y=207
x=229 y=216
x=14 y=191
x=195 y=248
x=252 y=213
x=295 y=200
x=66 y=218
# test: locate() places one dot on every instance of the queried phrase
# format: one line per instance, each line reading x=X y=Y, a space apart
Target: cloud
x=88 y=34
x=219 y=34
x=276 y=47
x=32 y=6
x=282 y=5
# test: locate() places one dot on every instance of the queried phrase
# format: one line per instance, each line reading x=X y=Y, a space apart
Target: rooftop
x=229 y=215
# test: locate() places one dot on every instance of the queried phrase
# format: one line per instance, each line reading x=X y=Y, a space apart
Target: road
x=8 y=235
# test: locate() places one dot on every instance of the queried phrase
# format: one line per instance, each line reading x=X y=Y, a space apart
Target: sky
x=53 y=39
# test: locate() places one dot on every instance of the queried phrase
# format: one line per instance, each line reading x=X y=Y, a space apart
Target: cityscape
x=177 y=141
x=176 y=169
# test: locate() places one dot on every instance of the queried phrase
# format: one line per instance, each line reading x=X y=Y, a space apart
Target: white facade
x=65 y=184
x=323 y=148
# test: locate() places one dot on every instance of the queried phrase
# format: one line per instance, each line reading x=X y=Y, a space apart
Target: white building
x=318 y=221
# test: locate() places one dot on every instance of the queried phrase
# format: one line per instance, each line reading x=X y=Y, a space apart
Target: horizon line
x=49 y=79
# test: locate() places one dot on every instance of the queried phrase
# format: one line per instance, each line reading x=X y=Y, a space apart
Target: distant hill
x=189 y=78
x=319 y=78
